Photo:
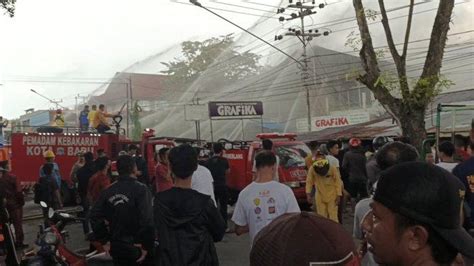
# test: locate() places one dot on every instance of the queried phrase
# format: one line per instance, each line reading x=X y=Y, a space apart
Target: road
x=232 y=250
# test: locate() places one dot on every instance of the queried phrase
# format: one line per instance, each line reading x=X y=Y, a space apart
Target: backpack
x=42 y=190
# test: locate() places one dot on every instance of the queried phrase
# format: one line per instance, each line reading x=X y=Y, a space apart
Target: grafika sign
x=235 y=109
x=36 y=145
x=323 y=122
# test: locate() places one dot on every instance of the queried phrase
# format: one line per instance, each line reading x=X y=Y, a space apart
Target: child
x=328 y=183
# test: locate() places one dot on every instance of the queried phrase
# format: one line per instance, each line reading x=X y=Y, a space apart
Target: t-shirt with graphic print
x=260 y=203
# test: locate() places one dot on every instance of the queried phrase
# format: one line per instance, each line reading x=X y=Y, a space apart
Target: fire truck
x=292 y=170
x=27 y=150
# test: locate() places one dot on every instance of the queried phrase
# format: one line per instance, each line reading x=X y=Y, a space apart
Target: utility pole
x=304 y=9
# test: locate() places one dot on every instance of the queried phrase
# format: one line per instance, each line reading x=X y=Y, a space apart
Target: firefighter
x=59 y=118
x=329 y=186
x=49 y=158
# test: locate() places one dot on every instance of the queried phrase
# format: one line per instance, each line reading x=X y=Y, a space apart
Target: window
x=292 y=155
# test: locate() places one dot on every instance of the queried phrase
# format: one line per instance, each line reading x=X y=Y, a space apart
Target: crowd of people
x=406 y=211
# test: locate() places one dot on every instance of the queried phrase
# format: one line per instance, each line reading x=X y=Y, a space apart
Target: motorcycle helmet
x=321 y=167
x=355 y=142
x=379 y=141
x=48 y=154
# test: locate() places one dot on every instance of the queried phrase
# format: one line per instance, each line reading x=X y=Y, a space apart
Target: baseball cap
x=427 y=194
x=303 y=239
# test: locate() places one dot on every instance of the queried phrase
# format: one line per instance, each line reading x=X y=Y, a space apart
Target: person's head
x=126 y=166
x=333 y=147
x=101 y=153
x=355 y=143
x=394 y=153
x=416 y=216
x=323 y=149
x=86 y=107
x=163 y=155
x=313 y=146
x=218 y=148
x=197 y=150
x=267 y=144
x=94 y=107
x=459 y=142
x=49 y=156
x=379 y=142
x=183 y=161
x=102 y=164
x=265 y=163
x=446 y=150
x=5 y=165
x=321 y=167
x=89 y=157
x=429 y=158
x=132 y=149
x=101 y=107
x=48 y=169
x=80 y=157
x=303 y=239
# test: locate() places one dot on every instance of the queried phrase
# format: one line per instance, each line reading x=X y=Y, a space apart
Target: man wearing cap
x=303 y=239
x=328 y=183
x=389 y=155
x=49 y=158
x=354 y=164
x=263 y=200
x=416 y=217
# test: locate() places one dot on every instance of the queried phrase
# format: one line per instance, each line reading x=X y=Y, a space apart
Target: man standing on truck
x=263 y=200
x=49 y=158
x=219 y=167
x=84 y=119
x=91 y=115
x=100 y=122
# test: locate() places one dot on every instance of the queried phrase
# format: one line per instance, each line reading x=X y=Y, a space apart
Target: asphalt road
x=232 y=250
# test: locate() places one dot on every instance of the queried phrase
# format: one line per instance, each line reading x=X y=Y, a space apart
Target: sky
x=66 y=48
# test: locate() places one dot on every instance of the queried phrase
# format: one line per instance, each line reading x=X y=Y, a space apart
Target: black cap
x=427 y=194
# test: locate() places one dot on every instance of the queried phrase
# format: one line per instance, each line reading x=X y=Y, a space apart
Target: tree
x=216 y=54
x=409 y=102
x=9 y=6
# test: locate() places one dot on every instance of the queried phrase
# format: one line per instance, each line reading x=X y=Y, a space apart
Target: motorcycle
x=8 y=253
x=52 y=249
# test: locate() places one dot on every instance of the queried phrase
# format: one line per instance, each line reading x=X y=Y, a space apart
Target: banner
x=323 y=122
x=235 y=109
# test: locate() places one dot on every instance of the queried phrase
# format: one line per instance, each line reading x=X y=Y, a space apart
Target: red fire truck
x=292 y=171
x=27 y=150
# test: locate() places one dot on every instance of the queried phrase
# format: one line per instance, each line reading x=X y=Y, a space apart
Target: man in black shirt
x=142 y=174
x=219 y=167
x=123 y=217
x=186 y=221
x=83 y=175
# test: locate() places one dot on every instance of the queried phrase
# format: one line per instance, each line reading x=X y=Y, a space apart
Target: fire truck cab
x=291 y=170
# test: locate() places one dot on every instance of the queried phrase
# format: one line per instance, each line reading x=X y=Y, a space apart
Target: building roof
x=143 y=87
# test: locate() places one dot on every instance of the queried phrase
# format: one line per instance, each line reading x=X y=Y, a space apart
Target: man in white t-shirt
x=267 y=145
x=202 y=180
x=446 y=155
x=263 y=200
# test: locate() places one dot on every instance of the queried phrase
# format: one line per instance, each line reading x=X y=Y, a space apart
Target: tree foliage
x=9 y=6
x=406 y=99
x=215 y=54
